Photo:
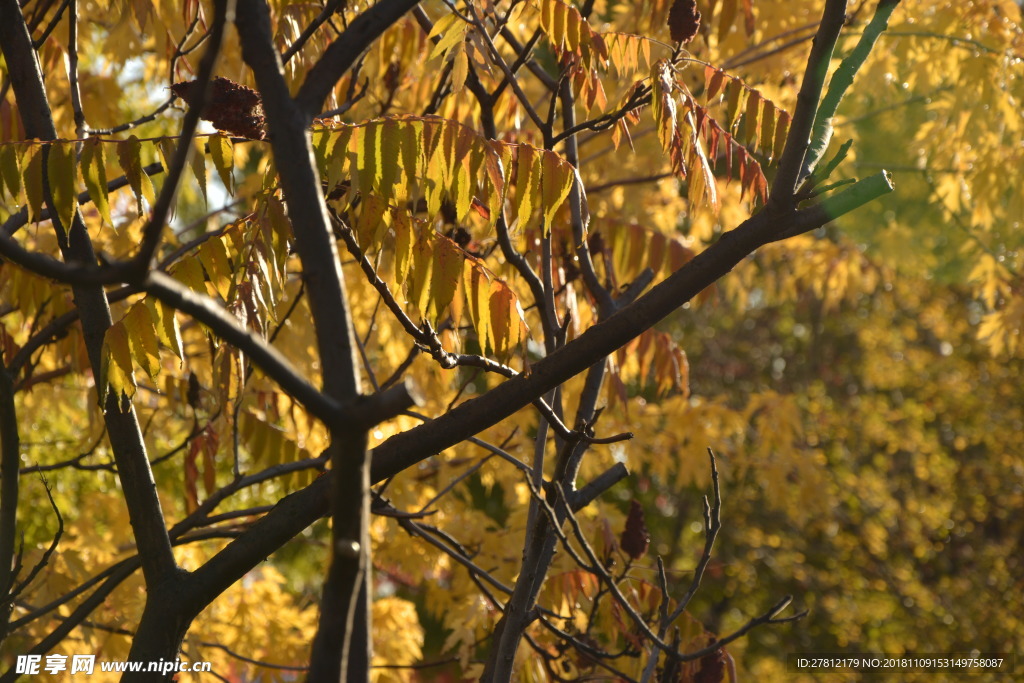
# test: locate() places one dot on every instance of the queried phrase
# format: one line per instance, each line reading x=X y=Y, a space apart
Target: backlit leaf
x=223 y=156
x=401 y=223
x=94 y=172
x=214 y=257
x=557 y=182
x=61 y=172
x=142 y=339
x=129 y=154
x=447 y=267
x=166 y=324
x=34 y=183
x=116 y=366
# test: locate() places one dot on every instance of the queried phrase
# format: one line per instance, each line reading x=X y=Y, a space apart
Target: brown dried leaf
x=231 y=107
x=711 y=668
x=635 y=537
x=683 y=20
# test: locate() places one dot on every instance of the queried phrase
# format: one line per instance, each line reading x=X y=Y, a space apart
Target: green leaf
x=223 y=154
x=60 y=171
x=94 y=172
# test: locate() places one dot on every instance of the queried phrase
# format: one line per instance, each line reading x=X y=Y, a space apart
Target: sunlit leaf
x=94 y=172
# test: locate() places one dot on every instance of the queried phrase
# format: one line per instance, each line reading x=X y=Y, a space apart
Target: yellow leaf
x=190 y=273
x=320 y=140
x=401 y=223
x=573 y=29
x=768 y=116
x=223 y=154
x=419 y=285
x=390 y=155
x=167 y=330
x=412 y=154
x=447 y=269
x=528 y=172
x=460 y=67
x=142 y=339
x=214 y=257
x=450 y=38
x=198 y=161
x=34 y=183
x=501 y=307
x=94 y=172
x=557 y=32
x=338 y=158
x=734 y=98
x=557 y=182
x=752 y=119
x=477 y=287
x=116 y=366
x=129 y=154
x=371 y=227
x=60 y=171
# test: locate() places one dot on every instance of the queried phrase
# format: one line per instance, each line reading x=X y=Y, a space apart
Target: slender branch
x=76 y=95
x=342 y=646
x=507 y=71
x=345 y=50
x=577 y=206
x=329 y=8
x=712 y=525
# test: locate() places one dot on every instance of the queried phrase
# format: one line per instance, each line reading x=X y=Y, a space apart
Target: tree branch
x=342 y=644
x=791 y=160
x=344 y=52
x=842 y=79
